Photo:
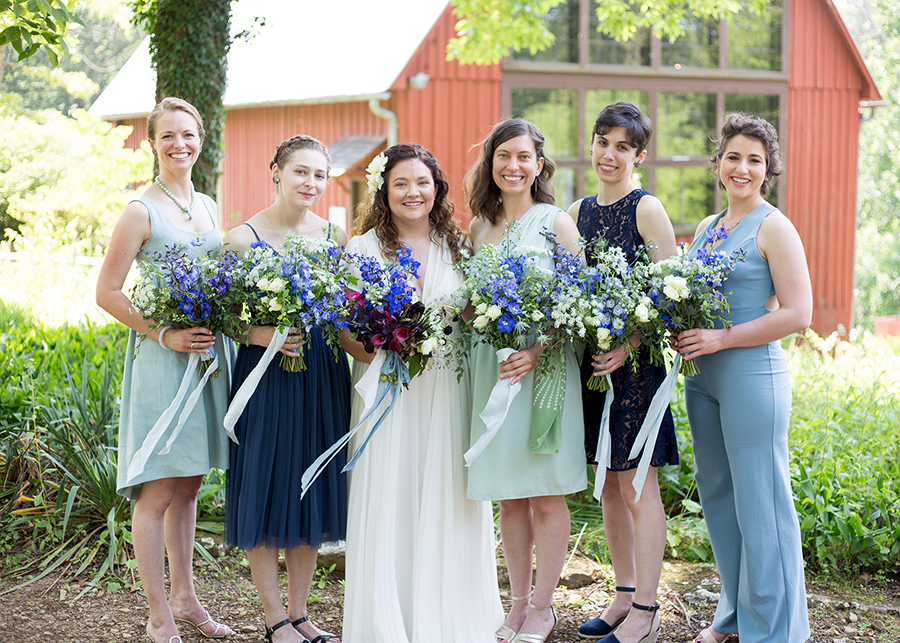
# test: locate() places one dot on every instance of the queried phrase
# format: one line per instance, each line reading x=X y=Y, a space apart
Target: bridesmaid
x=510 y=184
x=290 y=419
x=165 y=491
x=420 y=555
x=627 y=217
x=739 y=405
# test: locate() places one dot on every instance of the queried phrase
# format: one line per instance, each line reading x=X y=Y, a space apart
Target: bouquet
x=176 y=289
x=301 y=287
x=386 y=315
x=685 y=292
x=597 y=304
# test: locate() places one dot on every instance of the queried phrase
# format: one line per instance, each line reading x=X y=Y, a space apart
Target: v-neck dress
x=420 y=555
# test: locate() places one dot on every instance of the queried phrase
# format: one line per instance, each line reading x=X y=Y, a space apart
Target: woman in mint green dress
x=165 y=486
x=509 y=187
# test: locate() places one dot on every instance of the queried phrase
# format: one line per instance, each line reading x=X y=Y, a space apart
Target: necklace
x=732 y=226
x=188 y=210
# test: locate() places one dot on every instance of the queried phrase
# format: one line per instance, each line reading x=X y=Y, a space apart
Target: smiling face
x=742 y=167
x=516 y=165
x=613 y=157
x=303 y=178
x=176 y=141
x=410 y=191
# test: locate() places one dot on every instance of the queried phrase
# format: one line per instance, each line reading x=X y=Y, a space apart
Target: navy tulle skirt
x=290 y=420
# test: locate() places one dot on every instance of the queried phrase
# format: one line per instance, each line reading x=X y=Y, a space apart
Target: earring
x=276 y=180
x=637 y=163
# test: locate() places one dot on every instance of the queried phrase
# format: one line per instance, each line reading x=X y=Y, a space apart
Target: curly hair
x=171 y=104
x=377 y=214
x=758 y=129
x=481 y=190
x=638 y=128
x=300 y=142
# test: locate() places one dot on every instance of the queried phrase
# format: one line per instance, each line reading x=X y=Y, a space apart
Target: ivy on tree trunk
x=189 y=42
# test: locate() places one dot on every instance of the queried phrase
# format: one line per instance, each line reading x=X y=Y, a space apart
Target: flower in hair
x=374 y=173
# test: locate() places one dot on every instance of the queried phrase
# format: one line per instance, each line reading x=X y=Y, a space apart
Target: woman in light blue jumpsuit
x=739 y=404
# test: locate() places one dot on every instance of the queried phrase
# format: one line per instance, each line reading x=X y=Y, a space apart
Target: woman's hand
x=608 y=362
x=520 y=364
x=188 y=340
x=262 y=336
x=699 y=341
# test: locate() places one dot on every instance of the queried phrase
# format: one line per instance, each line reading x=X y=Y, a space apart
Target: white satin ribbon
x=367 y=386
x=243 y=395
x=604 y=442
x=496 y=409
x=190 y=404
x=139 y=460
x=646 y=437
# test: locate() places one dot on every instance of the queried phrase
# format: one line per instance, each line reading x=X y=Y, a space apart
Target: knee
x=514 y=508
x=549 y=508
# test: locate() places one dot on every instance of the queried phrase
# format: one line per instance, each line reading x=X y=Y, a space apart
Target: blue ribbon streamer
x=394 y=374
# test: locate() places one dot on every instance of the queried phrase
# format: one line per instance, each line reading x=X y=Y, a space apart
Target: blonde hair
x=171 y=104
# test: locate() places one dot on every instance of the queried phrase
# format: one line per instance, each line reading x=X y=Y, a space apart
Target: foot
x=539 y=622
x=635 y=627
x=709 y=635
x=612 y=617
x=282 y=632
x=167 y=633
x=309 y=631
x=200 y=620
x=518 y=611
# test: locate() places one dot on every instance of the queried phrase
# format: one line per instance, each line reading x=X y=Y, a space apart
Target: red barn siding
x=824 y=91
x=138 y=132
x=456 y=109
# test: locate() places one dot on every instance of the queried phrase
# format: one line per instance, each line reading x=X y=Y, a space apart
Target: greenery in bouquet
x=686 y=291
x=511 y=295
x=180 y=290
x=386 y=313
x=302 y=287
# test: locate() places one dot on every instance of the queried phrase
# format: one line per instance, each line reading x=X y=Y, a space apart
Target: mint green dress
x=152 y=376
x=507 y=468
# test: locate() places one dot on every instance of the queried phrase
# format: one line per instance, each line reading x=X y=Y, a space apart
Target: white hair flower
x=374 y=173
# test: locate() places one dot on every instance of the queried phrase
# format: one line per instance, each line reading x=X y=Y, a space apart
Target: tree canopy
x=30 y=25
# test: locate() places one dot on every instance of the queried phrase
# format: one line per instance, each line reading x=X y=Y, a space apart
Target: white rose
x=537 y=316
x=274 y=305
x=428 y=346
x=479 y=310
x=263 y=284
x=642 y=312
x=494 y=312
x=276 y=284
x=602 y=334
x=481 y=321
x=672 y=292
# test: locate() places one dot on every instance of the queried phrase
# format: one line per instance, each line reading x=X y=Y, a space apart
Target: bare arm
x=574 y=209
x=780 y=245
x=655 y=228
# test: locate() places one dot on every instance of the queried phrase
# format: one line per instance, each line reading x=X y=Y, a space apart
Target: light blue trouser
x=739 y=408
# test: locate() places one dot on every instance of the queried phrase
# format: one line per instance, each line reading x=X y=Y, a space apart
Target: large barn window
x=754 y=41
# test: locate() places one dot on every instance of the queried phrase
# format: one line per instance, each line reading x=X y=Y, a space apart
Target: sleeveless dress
x=288 y=422
x=507 y=468
x=152 y=376
x=420 y=555
x=739 y=407
x=632 y=390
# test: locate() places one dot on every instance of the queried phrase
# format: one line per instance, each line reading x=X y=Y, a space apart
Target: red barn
x=362 y=73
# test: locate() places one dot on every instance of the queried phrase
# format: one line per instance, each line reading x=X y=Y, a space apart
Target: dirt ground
x=49 y=610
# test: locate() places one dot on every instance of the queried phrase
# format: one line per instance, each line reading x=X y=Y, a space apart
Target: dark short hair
x=300 y=142
x=758 y=129
x=637 y=126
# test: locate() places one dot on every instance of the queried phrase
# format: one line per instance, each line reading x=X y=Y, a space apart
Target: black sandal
x=597 y=628
x=321 y=638
x=271 y=630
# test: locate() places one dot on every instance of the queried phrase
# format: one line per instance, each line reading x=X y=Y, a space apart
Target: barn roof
x=305 y=52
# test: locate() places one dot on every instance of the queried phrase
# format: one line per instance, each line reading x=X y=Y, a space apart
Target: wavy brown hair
x=481 y=190
x=376 y=214
x=758 y=129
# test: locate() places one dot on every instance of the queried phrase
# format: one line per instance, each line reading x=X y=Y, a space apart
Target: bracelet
x=159 y=338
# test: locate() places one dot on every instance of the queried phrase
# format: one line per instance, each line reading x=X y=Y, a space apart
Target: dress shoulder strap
x=253 y=230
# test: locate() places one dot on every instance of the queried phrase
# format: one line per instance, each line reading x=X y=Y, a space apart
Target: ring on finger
x=192 y=345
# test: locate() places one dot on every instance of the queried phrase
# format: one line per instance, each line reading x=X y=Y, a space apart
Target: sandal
x=321 y=638
x=706 y=636
x=505 y=632
x=271 y=630
x=597 y=628
x=199 y=627
x=655 y=628
x=537 y=638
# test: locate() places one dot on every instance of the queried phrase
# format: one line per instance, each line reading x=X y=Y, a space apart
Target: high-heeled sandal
x=505 y=632
x=537 y=638
x=598 y=628
x=271 y=630
x=321 y=638
x=652 y=635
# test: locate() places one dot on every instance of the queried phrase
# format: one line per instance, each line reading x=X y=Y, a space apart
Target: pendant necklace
x=188 y=210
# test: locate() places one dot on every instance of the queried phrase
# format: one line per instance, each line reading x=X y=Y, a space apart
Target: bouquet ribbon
x=248 y=387
x=385 y=376
x=604 y=442
x=646 y=437
x=549 y=396
x=495 y=411
x=139 y=461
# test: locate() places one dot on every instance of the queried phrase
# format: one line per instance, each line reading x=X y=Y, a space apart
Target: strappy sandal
x=199 y=627
x=271 y=630
x=321 y=638
x=706 y=636
x=598 y=628
x=537 y=638
x=652 y=635
x=505 y=632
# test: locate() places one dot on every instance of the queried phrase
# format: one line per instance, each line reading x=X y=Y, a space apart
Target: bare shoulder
x=563 y=224
x=777 y=232
x=478 y=228
x=135 y=222
x=339 y=235
x=238 y=239
x=704 y=224
x=574 y=209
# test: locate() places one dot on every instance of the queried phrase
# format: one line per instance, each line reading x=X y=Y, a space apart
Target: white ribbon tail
x=604 y=440
x=190 y=404
x=243 y=395
x=646 y=437
x=495 y=411
x=139 y=461
x=367 y=386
